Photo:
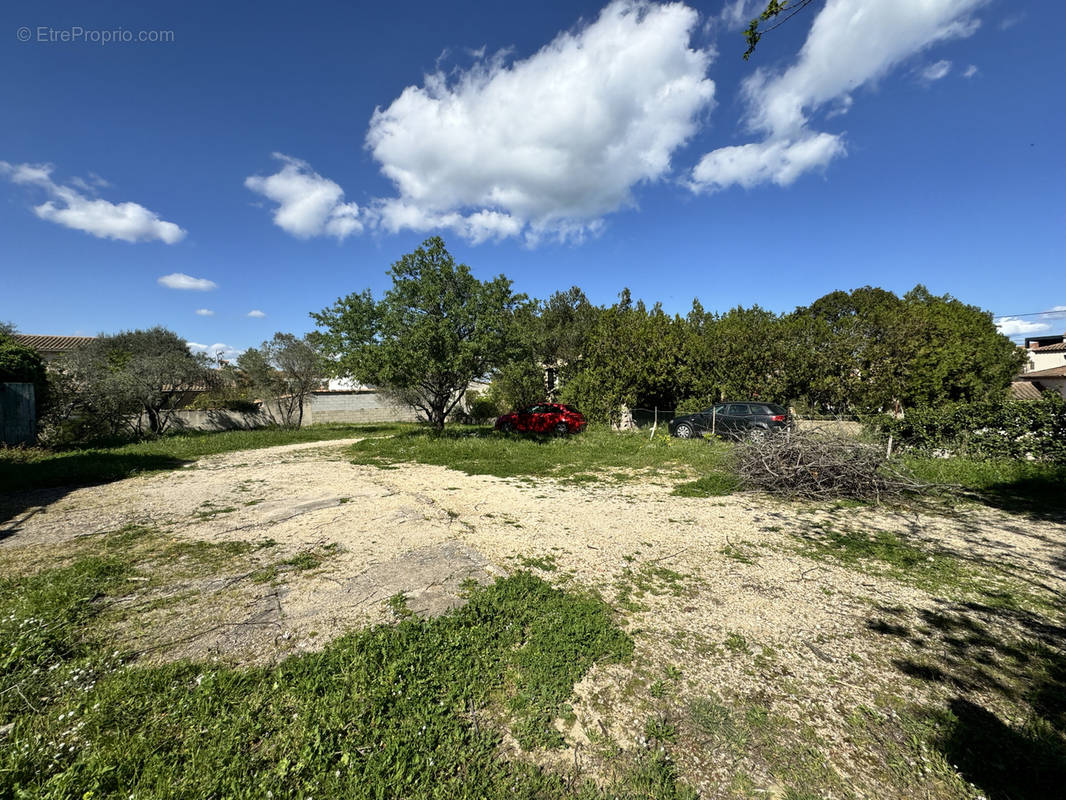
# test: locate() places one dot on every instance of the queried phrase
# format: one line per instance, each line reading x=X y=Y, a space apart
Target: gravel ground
x=727 y=599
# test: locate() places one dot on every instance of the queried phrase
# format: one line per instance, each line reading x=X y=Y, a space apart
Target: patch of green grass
x=304 y=560
x=748 y=729
x=412 y=709
x=654 y=579
x=888 y=554
x=34 y=468
x=738 y=552
x=597 y=454
x=1014 y=485
x=545 y=563
x=713 y=484
x=736 y=643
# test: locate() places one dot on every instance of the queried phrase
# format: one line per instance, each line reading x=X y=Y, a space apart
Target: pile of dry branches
x=812 y=466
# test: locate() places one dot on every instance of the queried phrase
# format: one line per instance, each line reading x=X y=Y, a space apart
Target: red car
x=546 y=418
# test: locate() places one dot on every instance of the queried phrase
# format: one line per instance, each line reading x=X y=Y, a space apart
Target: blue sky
x=271 y=157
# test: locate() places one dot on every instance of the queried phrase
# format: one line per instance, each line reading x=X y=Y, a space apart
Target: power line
x=1054 y=312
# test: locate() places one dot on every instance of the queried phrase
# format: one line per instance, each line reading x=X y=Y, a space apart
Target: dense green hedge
x=986 y=429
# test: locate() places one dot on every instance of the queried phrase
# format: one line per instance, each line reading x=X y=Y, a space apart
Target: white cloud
x=548 y=145
x=1010 y=21
x=216 y=350
x=851 y=43
x=1055 y=312
x=255 y=313
x=205 y=312
x=759 y=162
x=935 y=72
x=738 y=13
x=128 y=222
x=970 y=71
x=1015 y=326
x=308 y=204
x=179 y=280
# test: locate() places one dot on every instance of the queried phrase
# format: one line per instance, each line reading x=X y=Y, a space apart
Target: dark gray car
x=732 y=419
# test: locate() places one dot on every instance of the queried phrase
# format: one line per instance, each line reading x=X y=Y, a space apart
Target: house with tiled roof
x=1045 y=352
x=1045 y=368
x=51 y=347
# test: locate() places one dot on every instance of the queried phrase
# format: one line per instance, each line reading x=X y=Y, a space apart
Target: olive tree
x=284 y=371
x=437 y=329
x=121 y=380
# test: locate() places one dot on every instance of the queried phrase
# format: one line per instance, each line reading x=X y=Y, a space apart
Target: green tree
x=869 y=350
x=284 y=371
x=437 y=329
x=122 y=379
x=636 y=357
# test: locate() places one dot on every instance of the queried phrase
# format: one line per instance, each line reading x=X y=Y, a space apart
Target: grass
x=417 y=709
x=596 y=455
x=33 y=468
x=1013 y=485
x=748 y=730
x=940 y=573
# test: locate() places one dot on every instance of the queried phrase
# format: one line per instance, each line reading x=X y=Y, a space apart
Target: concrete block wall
x=355 y=406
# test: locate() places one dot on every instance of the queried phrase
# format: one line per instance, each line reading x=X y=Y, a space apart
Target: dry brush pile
x=812 y=466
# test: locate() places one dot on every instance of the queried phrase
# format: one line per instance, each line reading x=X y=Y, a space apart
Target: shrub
x=481 y=408
x=984 y=429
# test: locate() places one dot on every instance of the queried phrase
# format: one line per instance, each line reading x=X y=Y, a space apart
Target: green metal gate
x=18 y=417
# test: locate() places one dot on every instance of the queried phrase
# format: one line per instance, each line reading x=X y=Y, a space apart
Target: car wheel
x=561 y=429
x=507 y=427
x=684 y=431
x=758 y=434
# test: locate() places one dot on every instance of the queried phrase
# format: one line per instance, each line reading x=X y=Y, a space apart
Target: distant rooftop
x=51 y=344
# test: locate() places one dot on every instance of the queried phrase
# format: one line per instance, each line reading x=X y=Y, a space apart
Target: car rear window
x=571 y=409
x=737 y=410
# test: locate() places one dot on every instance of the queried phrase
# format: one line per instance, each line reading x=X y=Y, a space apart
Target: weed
x=654 y=579
x=545 y=563
x=736 y=643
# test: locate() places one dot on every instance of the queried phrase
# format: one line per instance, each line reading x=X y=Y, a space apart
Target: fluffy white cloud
x=205 y=312
x=308 y=204
x=128 y=222
x=548 y=145
x=218 y=350
x=179 y=280
x=255 y=313
x=935 y=72
x=851 y=43
x=780 y=162
x=1015 y=326
x=970 y=71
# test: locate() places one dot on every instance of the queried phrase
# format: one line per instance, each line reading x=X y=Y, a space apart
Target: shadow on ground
x=59 y=476
x=989 y=659
x=1042 y=496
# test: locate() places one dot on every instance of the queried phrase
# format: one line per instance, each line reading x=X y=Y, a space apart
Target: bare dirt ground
x=715 y=591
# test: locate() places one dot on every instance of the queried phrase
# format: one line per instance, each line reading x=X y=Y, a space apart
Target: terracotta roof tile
x=1023 y=390
x=1054 y=372
x=51 y=343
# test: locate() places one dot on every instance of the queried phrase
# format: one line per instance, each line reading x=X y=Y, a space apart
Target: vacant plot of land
x=647 y=644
